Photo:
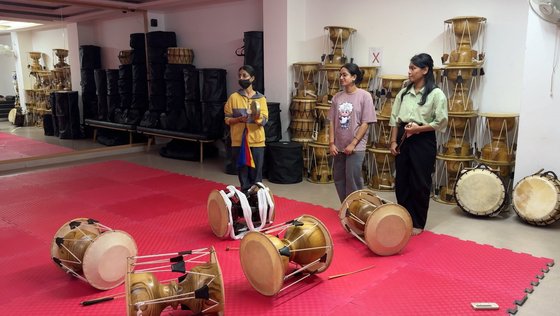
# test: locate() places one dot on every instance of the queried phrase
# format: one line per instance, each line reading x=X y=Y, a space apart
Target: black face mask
x=244 y=83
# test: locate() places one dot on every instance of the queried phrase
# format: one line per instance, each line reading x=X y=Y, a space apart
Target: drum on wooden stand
x=457 y=139
x=93 y=252
x=233 y=213
x=499 y=133
x=465 y=40
x=304 y=79
x=390 y=87
x=461 y=85
x=381 y=133
x=302 y=108
x=381 y=167
x=385 y=227
x=536 y=198
x=340 y=38
x=199 y=288
x=445 y=176
x=266 y=257
x=480 y=191
x=329 y=82
x=369 y=75
x=321 y=164
x=301 y=129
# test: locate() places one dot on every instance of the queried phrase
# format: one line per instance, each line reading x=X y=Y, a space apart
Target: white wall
x=8 y=65
x=537 y=145
x=214 y=31
x=113 y=35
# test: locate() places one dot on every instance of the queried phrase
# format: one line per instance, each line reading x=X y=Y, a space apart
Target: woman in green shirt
x=418 y=111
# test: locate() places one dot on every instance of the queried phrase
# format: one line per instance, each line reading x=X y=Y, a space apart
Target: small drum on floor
x=266 y=257
x=320 y=164
x=234 y=213
x=536 y=198
x=385 y=227
x=199 y=288
x=480 y=191
x=93 y=252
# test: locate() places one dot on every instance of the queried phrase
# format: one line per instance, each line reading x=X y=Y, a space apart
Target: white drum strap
x=228 y=205
x=269 y=201
x=245 y=207
x=263 y=208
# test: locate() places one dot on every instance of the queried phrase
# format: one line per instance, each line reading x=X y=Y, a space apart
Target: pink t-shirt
x=348 y=111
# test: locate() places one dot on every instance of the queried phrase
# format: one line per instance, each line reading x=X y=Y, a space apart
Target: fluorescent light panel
x=14 y=25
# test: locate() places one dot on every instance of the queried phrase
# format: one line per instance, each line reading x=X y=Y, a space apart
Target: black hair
x=353 y=69
x=421 y=61
x=249 y=69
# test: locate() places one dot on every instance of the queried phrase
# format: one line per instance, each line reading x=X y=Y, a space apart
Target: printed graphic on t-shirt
x=344 y=114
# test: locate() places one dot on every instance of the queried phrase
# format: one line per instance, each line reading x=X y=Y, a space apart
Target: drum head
x=12 y=115
x=218 y=214
x=262 y=264
x=480 y=192
x=536 y=200
x=65 y=229
x=221 y=294
x=105 y=260
x=388 y=229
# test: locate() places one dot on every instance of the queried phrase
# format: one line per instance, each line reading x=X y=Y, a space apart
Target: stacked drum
x=380 y=163
x=463 y=58
x=315 y=84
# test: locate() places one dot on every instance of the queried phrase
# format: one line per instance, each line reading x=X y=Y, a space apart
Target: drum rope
x=295 y=282
x=303 y=268
x=310 y=248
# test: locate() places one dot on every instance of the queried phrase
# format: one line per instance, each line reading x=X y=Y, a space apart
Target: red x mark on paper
x=376 y=57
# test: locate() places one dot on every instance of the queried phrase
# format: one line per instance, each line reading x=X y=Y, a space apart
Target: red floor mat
x=16 y=147
x=166 y=212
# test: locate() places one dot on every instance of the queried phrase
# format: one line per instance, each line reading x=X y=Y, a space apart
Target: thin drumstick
x=231 y=248
x=102 y=299
x=348 y=273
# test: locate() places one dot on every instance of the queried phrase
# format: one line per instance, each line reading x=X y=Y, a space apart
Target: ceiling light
x=14 y=25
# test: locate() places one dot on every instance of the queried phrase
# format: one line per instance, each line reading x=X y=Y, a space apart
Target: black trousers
x=414 y=167
x=249 y=176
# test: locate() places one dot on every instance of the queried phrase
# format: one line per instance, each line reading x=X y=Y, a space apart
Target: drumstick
x=102 y=299
x=228 y=248
x=348 y=273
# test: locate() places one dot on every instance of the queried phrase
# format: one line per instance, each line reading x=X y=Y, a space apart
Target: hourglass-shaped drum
x=385 y=227
x=457 y=137
x=304 y=79
x=93 y=252
x=462 y=83
x=35 y=65
x=464 y=33
x=61 y=54
x=369 y=74
x=445 y=177
x=199 y=289
x=321 y=165
x=266 y=257
x=339 y=37
x=499 y=134
x=381 y=133
x=381 y=167
x=390 y=87
x=329 y=82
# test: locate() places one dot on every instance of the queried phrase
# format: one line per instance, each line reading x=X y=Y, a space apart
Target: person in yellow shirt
x=419 y=110
x=247 y=128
